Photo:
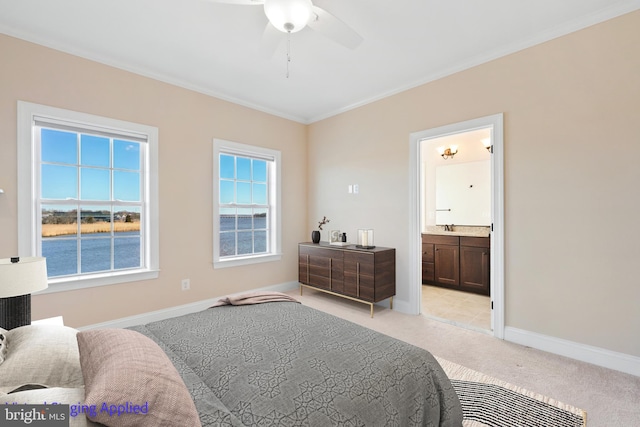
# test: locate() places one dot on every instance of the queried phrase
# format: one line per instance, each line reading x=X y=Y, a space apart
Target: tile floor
x=465 y=309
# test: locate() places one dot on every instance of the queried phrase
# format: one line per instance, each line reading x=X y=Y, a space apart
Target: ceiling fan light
x=288 y=16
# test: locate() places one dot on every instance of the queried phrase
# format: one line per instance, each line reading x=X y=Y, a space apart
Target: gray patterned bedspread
x=284 y=364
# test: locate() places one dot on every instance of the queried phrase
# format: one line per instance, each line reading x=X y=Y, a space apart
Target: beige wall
x=572 y=204
x=187 y=123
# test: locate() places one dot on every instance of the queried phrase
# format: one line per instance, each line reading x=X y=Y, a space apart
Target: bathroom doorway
x=456 y=203
x=460 y=144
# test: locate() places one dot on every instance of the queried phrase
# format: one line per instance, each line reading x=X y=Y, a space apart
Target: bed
x=275 y=363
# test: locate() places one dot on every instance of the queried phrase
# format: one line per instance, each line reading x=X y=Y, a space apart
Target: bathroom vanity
x=456 y=261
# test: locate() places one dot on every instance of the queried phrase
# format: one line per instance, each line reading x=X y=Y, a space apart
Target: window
x=88 y=196
x=246 y=204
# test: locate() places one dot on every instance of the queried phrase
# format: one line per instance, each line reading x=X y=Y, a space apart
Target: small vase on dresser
x=315 y=236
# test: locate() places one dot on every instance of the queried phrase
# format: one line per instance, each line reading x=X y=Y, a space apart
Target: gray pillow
x=41 y=354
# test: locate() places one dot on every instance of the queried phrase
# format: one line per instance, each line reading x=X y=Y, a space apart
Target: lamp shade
x=288 y=16
x=25 y=276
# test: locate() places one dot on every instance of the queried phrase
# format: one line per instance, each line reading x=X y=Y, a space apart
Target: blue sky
x=62 y=154
x=242 y=180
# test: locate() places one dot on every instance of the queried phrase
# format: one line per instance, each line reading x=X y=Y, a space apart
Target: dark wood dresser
x=363 y=275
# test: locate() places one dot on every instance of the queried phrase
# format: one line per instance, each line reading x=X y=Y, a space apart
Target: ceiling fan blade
x=240 y=2
x=333 y=28
x=271 y=39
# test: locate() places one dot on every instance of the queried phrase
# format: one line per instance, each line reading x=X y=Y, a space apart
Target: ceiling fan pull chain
x=288 y=51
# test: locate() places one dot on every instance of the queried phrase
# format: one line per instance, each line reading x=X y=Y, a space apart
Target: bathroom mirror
x=463 y=194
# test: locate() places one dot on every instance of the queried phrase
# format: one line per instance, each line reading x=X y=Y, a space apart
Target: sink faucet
x=448 y=227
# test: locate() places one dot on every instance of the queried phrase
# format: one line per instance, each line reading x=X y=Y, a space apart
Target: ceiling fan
x=291 y=16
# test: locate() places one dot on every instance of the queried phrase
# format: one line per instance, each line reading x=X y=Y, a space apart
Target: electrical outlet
x=356 y=188
x=186 y=284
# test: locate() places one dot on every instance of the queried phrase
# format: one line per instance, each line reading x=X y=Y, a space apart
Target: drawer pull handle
x=358 y=279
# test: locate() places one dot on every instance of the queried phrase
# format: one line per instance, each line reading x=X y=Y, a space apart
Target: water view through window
x=90 y=202
x=244 y=205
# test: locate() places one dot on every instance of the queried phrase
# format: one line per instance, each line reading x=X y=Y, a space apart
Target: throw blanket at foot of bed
x=249 y=298
x=284 y=364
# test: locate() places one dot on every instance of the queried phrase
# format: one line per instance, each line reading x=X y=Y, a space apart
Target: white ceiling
x=215 y=48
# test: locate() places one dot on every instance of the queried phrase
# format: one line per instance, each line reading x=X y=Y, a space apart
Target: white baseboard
x=598 y=356
x=154 y=316
x=402 y=306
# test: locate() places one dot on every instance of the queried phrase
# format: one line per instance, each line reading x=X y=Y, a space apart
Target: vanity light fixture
x=487 y=143
x=448 y=152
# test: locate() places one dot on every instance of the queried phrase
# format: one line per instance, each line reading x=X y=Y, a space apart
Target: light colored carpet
x=609 y=397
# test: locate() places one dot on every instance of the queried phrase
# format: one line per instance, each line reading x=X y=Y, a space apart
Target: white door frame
x=495 y=122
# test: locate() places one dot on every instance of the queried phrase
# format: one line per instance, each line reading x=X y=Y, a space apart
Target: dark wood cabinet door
x=358 y=275
x=427 y=252
x=370 y=276
x=428 y=271
x=447 y=265
x=321 y=267
x=474 y=269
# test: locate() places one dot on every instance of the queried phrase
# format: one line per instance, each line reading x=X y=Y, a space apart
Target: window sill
x=238 y=261
x=105 y=279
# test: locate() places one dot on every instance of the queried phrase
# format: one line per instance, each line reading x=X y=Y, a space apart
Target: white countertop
x=463 y=231
x=458 y=233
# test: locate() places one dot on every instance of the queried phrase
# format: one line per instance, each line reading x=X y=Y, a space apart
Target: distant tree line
x=87 y=217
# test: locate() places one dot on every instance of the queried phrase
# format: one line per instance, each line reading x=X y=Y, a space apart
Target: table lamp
x=19 y=278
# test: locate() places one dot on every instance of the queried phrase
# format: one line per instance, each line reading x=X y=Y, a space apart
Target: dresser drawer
x=477 y=242
x=428 y=271
x=427 y=252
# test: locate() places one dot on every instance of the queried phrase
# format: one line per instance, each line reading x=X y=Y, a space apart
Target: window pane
x=95 y=255
x=259 y=219
x=59 y=182
x=227 y=167
x=95 y=184
x=244 y=168
x=227 y=244
x=244 y=192
x=260 y=241
x=94 y=151
x=126 y=186
x=127 y=222
x=245 y=219
x=259 y=170
x=245 y=242
x=227 y=193
x=80 y=228
x=59 y=221
x=61 y=255
x=126 y=252
x=126 y=155
x=58 y=146
x=227 y=219
x=260 y=194
x=95 y=219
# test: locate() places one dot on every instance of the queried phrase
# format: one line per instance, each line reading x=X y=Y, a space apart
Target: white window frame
x=274 y=252
x=30 y=217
